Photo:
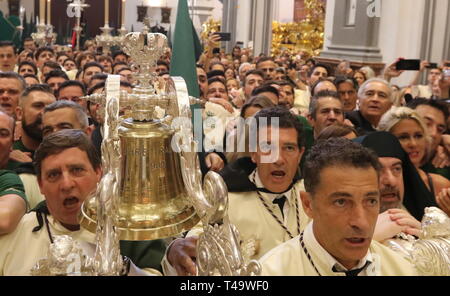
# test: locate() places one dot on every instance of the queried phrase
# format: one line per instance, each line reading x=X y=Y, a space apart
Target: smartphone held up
x=408 y=65
x=224 y=36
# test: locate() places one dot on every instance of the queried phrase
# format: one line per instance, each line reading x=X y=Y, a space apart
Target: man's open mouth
x=278 y=174
x=71 y=202
x=356 y=240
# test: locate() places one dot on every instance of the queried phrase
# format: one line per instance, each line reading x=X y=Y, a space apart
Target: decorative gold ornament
x=209 y=27
x=306 y=35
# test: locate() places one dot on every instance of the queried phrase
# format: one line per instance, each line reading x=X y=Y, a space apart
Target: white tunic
x=22 y=249
x=256 y=226
x=289 y=259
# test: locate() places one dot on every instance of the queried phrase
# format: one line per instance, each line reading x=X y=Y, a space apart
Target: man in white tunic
x=343 y=199
x=68 y=170
x=264 y=193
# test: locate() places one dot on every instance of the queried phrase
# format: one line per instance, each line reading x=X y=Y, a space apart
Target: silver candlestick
x=106 y=40
x=122 y=31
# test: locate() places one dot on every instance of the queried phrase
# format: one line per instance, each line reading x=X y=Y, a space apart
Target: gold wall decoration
x=306 y=35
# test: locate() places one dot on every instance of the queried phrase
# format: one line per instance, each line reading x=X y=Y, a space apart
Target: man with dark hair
x=280 y=74
x=106 y=62
x=287 y=92
x=120 y=56
x=55 y=78
x=11 y=86
x=216 y=66
x=56 y=116
x=263 y=191
x=27 y=67
x=69 y=65
x=65 y=156
x=84 y=58
x=236 y=52
x=118 y=66
x=43 y=55
x=47 y=68
x=317 y=72
x=435 y=114
x=72 y=90
x=347 y=89
x=99 y=78
x=325 y=110
x=218 y=112
x=68 y=171
x=89 y=70
x=202 y=79
x=253 y=79
x=127 y=75
x=267 y=66
x=61 y=57
x=344 y=210
x=32 y=103
x=8 y=56
x=268 y=91
x=162 y=66
x=28 y=43
x=216 y=74
x=217 y=89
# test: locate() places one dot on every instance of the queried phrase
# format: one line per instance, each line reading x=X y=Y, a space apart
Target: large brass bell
x=152 y=201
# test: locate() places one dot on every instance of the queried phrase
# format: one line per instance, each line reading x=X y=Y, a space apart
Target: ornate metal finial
x=65 y=257
x=145 y=49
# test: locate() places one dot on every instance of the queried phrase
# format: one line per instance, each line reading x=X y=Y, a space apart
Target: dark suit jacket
x=362 y=126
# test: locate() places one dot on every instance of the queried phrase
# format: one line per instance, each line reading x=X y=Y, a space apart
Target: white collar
x=56 y=228
x=269 y=196
x=321 y=254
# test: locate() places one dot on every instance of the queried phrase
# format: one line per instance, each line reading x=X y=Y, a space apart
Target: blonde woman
x=410 y=130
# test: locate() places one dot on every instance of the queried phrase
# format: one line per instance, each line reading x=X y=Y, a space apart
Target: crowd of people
x=358 y=160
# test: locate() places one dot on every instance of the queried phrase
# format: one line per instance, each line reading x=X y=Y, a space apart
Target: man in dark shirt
x=375 y=99
x=31 y=105
x=13 y=202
